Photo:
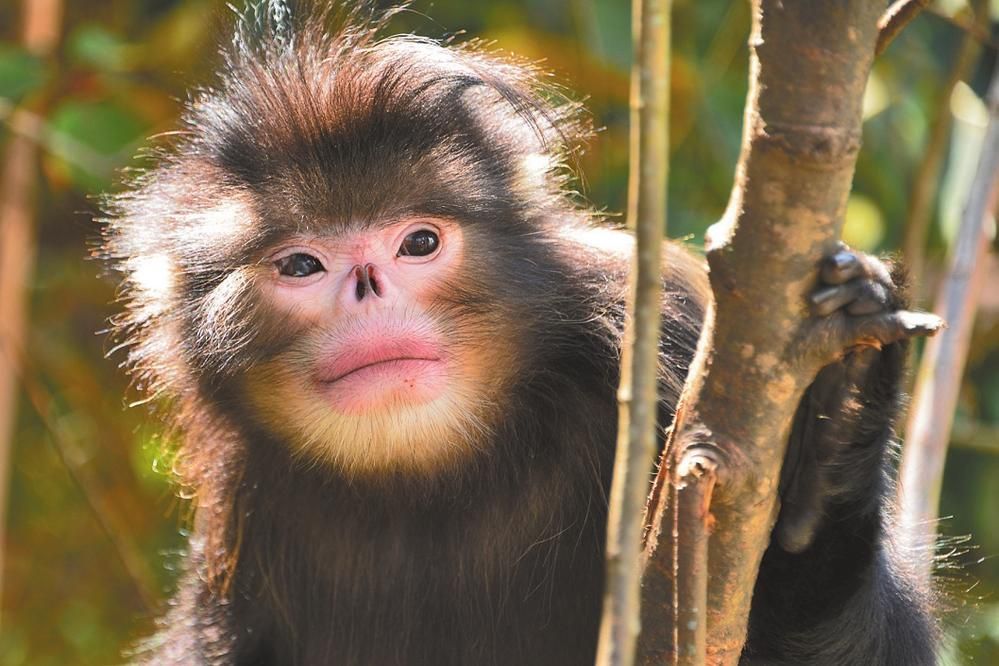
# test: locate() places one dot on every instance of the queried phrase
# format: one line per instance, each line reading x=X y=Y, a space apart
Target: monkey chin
x=401 y=416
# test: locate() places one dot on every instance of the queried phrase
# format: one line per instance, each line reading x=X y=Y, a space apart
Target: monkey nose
x=366 y=282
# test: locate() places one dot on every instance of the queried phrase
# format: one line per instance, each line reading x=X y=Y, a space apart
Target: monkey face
x=375 y=370
x=355 y=255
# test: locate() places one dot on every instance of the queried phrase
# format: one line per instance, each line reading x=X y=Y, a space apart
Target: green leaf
x=95 y=46
x=20 y=72
x=96 y=139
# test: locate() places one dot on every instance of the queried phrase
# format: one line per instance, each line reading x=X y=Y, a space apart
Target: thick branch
x=939 y=379
x=809 y=66
x=637 y=395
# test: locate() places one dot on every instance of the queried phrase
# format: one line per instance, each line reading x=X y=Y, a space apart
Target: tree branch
x=637 y=396
x=697 y=475
x=809 y=66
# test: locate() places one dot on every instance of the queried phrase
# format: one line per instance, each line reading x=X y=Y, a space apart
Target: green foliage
x=95 y=46
x=20 y=72
x=100 y=134
x=86 y=469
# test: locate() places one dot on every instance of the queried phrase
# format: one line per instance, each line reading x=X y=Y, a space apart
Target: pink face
x=382 y=370
x=369 y=291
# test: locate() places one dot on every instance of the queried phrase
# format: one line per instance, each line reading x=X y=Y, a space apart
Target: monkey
x=389 y=335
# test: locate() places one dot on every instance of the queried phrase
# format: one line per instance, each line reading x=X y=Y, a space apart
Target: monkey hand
x=833 y=468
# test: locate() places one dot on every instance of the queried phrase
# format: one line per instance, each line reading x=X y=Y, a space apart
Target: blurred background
x=94 y=530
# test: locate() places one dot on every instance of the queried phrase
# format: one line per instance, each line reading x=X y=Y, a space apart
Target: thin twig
x=895 y=18
x=637 y=394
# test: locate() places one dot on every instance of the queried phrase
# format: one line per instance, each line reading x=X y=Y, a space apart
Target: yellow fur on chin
x=400 y=436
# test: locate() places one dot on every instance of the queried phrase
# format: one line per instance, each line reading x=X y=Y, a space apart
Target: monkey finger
x=840 y=267
x=829 y=299
x=891 y=327
x=845 y=265
x=875 y=269
x=872 y=298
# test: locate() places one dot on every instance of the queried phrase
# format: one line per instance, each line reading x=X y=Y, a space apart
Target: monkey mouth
x=356 y=360
x=384 y=376
x=385 y=363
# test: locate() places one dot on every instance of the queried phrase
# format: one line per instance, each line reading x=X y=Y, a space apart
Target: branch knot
x=816 y=145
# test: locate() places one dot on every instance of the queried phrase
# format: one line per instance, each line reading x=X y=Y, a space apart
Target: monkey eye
x=298 y=265
x=420 y=243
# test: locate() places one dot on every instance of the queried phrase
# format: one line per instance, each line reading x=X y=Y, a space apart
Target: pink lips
x=355 y=357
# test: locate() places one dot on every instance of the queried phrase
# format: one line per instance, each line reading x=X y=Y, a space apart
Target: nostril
x=372 y=280
x=366 y=281
x=360 y=282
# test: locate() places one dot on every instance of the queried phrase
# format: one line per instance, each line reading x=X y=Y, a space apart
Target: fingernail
x=843 y=260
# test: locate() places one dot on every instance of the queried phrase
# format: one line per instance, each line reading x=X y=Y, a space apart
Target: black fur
x=500 y=560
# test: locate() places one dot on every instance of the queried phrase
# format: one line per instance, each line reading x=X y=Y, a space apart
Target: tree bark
x=759 y=350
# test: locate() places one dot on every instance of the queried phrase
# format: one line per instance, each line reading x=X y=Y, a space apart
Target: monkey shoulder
x=608 y=251
x=602 y=259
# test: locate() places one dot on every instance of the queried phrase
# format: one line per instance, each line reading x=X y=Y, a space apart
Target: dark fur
x=501 y=560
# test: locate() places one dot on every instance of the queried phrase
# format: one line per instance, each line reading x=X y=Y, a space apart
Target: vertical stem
x=696 y=477
x=926 y=181
x=939 y=378
x=637 y=395
x=41 y=22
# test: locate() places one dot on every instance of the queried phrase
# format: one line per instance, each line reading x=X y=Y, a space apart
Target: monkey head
x=348 y=247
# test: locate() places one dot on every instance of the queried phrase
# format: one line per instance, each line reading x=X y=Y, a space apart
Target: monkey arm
x=831 y=588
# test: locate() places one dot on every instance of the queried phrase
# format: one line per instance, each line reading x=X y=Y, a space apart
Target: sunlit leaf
x=876 y=97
